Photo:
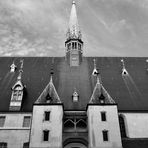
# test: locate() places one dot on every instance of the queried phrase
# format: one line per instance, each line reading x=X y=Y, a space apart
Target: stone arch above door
x=75 y=143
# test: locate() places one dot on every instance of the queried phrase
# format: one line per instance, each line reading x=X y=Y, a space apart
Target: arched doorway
x=75 y=143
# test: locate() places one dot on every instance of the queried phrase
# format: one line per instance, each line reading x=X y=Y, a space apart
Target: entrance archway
x=75 y=143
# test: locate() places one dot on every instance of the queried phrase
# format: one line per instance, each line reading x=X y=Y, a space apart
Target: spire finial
x=94 y=63
x=51 y=70
x=73 y=2
x=123 y=64
x=13 y=67
x=95 y=71
x=21 y=69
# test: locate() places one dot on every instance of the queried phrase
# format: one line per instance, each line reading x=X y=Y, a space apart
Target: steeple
x=73 y=42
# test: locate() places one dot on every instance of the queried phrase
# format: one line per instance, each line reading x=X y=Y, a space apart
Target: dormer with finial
x=124 y=71
x=95 y=71
x=74 y=41
x=75 y=96
x=13 y=67
x=17 y=92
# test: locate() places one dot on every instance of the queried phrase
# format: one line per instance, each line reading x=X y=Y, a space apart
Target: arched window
x=81 y=124
x=122 y=126
x=17 y=93
x=69 y=125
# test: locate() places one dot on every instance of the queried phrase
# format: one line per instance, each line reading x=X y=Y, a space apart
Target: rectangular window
x=105 y=135
x=2 y=121
x=26 y=145
x=75 y=45
x=46 y=135
x=47 y=115
x=103 y=116
x=72 y=45
x=3 y=145
x=26 y=122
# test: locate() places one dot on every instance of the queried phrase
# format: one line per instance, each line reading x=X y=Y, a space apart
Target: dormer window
x=17 y=93
x=12 y=67
x=75 y=97
x=102 y=99
x=124 y=72
x=48 y=98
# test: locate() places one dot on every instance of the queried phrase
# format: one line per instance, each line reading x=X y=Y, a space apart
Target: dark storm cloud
x=38 y=27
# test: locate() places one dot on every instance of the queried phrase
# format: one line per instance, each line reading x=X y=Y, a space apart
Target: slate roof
x=130 y=93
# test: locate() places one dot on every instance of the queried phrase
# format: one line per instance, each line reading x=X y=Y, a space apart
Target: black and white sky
x=109 y=27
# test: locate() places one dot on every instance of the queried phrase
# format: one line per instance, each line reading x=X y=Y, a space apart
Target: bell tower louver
x=74 y=41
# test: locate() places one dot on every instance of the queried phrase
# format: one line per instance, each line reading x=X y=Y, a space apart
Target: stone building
x=73 y=101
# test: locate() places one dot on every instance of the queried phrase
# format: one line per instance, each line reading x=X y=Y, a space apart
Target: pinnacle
x=73 y=2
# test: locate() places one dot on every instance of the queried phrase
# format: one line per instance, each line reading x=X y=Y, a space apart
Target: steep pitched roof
x=129 y=94
x=49 y=94
x=99 y=93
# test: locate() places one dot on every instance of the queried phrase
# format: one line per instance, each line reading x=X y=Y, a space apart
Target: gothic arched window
x=17 y=93
x=122 y=126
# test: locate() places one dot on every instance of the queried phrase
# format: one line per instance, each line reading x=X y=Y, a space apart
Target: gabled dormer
x=100 y=94
x=74 y=41
x=17 y=92
x=49 y=94
x=75 y=96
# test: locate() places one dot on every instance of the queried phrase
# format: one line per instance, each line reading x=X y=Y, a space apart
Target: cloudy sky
x=38 y=27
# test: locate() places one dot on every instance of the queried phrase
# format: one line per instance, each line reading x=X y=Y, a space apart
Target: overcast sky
x=38 y=27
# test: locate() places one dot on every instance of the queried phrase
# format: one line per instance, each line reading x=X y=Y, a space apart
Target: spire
x=100 y=95
x=73 y=29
